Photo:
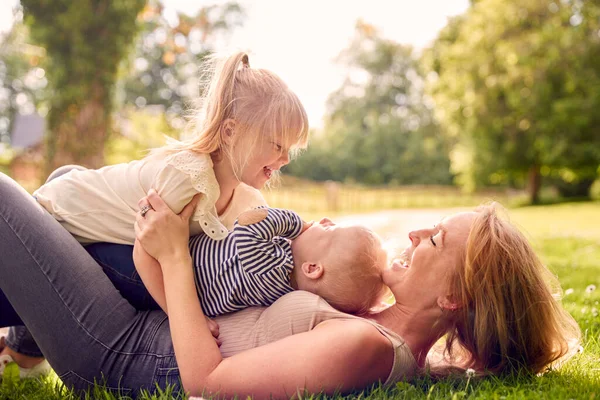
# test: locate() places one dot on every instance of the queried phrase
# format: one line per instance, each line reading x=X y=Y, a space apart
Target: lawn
x=567 y=237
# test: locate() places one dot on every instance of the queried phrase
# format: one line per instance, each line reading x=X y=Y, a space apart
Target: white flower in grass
x=590 y=289
x=470 y=372
x=583 y=310
x=594 y=311
x=569 y=291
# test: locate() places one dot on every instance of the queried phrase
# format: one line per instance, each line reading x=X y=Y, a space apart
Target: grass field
x=567 y=237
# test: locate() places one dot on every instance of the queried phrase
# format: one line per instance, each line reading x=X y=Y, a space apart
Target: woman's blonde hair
x=257 y=100
x=511 y=318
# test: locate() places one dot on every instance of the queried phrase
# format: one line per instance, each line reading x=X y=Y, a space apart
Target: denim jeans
x=82 y=324
x=116 y=261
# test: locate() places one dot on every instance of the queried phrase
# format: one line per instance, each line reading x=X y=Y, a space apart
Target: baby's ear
x=312 y=270
x=252 y=216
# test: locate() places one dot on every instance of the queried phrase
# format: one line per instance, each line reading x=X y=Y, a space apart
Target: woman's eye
x=432 y=241
x=278 y=147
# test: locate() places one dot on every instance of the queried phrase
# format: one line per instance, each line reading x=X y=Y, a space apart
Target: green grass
x=567 y=237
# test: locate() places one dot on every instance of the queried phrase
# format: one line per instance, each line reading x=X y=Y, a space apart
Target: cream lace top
x=100 y=205
x=298 y=312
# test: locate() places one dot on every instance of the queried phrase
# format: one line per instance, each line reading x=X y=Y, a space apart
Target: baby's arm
x=255 y=231
x=264 y=224
x=150 y=272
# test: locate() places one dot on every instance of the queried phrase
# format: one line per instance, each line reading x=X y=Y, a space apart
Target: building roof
x=28 y=131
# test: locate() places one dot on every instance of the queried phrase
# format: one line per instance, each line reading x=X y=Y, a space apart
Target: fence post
x=332 y=191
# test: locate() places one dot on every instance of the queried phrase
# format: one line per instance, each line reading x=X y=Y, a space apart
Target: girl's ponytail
x=218 y=101
x=215 y=105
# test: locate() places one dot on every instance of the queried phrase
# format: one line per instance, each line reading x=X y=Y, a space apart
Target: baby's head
x=342 y=264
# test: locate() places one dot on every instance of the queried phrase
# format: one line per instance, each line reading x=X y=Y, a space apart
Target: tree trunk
x=78 y=135
x=535 y=182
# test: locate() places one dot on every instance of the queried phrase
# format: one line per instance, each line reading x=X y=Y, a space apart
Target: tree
x=379 y=128
x=163 y=69
x=518 y=90
x=85 y=41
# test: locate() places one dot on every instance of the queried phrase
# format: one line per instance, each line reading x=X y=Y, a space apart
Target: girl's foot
x=29 y=367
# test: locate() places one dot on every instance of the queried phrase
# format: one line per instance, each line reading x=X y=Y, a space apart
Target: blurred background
x=415 y=106
x=436 y=103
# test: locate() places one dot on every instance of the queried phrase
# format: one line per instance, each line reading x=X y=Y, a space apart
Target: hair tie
x=245 y=61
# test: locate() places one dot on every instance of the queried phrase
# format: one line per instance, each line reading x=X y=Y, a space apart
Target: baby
x=271 y=252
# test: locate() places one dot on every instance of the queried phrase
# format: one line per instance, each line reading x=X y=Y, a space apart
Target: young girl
x=249 y=123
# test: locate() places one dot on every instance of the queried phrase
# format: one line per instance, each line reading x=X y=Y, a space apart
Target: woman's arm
x=337 y=355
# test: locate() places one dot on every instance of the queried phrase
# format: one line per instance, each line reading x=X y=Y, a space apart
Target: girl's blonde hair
x=510 y=318
x=257 y=100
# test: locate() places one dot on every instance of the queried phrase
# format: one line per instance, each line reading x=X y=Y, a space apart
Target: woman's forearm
x=195 y=348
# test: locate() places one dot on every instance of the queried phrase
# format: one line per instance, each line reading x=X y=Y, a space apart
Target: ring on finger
x=145 y=210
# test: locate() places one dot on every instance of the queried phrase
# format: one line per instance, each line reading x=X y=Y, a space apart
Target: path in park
x=392 y=225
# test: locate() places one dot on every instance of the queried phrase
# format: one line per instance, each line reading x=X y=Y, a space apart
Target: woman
x=473 y=277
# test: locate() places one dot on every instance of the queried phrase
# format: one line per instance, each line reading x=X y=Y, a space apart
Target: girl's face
x=265 y=158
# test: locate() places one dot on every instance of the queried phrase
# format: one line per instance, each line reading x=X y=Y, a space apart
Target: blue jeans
x=82 y=324
x=116 y=261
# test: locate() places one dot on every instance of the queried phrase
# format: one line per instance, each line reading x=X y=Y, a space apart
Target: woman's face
x=419 y=278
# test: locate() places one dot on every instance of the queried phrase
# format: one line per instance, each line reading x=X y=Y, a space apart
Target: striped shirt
x=250 y=267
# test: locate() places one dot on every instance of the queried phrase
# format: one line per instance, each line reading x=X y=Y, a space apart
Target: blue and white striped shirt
x=250 y=267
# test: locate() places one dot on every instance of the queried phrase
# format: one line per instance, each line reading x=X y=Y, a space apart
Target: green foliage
x=379 y=128
x=6 y=156
x=10 y=376
x=141 y=130
x=518 y=91
x=164 y=68
x=85 y=41
x=22 y=81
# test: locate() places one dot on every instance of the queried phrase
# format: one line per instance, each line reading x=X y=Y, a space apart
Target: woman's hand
x=163 y=234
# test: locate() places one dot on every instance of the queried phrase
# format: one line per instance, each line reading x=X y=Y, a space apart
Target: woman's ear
x=449 y=302
x=228 y=131
x=312 y=271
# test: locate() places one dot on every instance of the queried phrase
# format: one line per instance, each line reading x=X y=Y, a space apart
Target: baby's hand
x=251 y=217
x=306 y=225
x=214 y=329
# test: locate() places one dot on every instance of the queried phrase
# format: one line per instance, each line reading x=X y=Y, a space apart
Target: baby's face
x=322 y=238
